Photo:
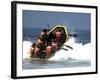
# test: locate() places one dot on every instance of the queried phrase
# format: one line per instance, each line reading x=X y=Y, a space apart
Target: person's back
x=44 y=35
x=50 y=37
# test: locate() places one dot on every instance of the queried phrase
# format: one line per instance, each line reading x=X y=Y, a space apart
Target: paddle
x=68 y=46
x=64 y=49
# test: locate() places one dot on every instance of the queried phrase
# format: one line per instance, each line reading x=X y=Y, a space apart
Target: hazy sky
x=40 y=19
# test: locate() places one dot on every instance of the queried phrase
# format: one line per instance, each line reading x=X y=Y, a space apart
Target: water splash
x=26 y=48
x=79 y=52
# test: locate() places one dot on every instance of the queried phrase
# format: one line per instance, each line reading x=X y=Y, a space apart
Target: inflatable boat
x=49 y=42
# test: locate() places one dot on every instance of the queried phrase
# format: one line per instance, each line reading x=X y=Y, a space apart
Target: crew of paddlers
x=46 y=44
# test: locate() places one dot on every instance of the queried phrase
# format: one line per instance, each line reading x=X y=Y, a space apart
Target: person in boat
x=38 y=42
x=42 y=54
x=51 y=48
x=50 y=44
x=35 y=48
x=45 y=44
x=58 y=35
x=59 y=38
x=50 y=37
x=40 y=51
x=48 y=50
x=54 y=46
x=44 y=35
x=38 y=47
x=34 y=51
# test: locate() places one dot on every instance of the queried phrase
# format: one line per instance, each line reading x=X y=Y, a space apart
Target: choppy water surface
x=45 y=64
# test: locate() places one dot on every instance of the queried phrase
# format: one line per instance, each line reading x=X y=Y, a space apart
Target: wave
x=79 y=51
x=26 y=48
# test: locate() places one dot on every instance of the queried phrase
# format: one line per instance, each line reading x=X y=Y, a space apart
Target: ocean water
x=62 y=58
x=31 y=34
x=44 y=64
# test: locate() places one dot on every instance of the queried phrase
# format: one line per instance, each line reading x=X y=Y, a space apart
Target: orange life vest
x=48 y=50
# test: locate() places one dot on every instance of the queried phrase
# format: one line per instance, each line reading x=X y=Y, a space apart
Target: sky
x=40 y=19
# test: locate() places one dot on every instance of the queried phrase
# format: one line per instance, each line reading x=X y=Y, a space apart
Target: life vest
x=58 y=35
x=54 y=45
x=48 y=50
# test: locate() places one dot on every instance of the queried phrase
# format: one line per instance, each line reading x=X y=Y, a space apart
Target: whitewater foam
x=79 y=51
x=26 y=48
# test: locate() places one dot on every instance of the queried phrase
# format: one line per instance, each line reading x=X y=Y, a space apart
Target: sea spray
x=26 y=48
x=79 y=51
